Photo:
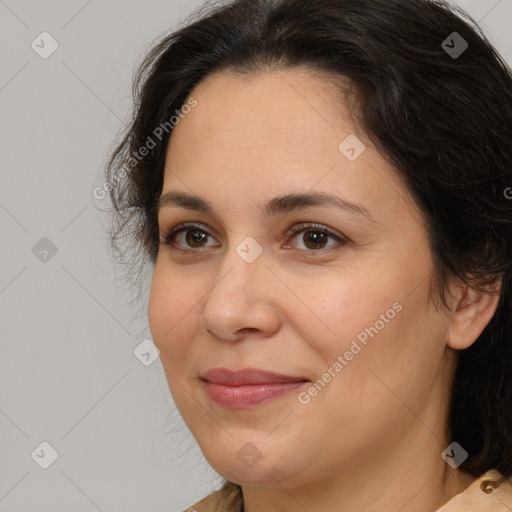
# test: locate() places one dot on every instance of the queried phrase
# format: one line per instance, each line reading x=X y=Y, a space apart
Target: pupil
x=316 y=238
x=195 y=237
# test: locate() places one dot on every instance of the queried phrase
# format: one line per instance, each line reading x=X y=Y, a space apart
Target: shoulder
x=491 y=492
x=227 y=499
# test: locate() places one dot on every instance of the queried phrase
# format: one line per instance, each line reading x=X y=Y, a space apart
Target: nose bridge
x=239 y=297
x=239 y=272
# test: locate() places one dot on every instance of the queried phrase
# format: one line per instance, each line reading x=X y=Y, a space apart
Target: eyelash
x=168 y=236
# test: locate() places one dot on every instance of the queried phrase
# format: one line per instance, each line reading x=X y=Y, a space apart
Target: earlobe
x=473 y=311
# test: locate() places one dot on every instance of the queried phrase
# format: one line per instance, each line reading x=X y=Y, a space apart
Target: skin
x=372 y=438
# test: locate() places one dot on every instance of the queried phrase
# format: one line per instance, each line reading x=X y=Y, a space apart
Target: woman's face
x=342 y=304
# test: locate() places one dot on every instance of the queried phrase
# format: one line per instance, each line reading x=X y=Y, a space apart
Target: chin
x=246 y=465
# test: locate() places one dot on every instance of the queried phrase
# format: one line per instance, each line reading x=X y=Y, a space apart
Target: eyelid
x=296 y=229
x=184 y=226
x=311 y=226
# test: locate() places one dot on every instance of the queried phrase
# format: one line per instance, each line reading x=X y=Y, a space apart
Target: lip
x=248 y=376
x=242 y=389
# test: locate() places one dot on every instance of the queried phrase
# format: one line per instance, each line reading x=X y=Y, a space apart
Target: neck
x=423 y=486
x=401 y=471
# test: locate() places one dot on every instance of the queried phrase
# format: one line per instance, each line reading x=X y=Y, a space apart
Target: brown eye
x=187 y=237
x=195 y=237
x=316 y=237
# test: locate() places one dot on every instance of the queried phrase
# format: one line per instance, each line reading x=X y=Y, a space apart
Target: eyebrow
x=276 y=206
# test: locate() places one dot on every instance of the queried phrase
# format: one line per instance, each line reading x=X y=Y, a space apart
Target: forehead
x=279 y=132
x=288 y=101
x=285 y=119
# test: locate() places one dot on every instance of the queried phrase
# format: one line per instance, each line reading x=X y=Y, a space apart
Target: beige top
x=491 y=492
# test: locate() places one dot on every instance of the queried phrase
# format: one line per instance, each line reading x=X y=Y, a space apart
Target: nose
x=242 y=300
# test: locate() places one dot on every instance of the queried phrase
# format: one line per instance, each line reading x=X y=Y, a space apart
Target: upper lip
x=246 y=377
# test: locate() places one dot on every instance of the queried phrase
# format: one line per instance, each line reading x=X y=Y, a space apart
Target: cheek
x=374 y=325
x=398 y=347
x=343 y=311
x=170 y=313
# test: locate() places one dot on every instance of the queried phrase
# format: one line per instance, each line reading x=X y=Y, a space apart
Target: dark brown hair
x=443 y=120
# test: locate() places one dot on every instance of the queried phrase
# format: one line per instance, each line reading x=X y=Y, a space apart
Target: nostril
x=244 y=331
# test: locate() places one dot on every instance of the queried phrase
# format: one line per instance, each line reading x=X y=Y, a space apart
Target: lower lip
x=244 y=397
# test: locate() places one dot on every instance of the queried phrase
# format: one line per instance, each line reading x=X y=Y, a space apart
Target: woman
x=323 y=191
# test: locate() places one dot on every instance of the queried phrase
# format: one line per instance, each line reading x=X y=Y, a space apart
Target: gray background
x=69 y=376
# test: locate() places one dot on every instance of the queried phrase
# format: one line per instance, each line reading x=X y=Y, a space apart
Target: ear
x=473 y=311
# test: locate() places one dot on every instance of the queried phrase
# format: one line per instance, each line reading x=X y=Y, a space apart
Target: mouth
x=242 y=389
